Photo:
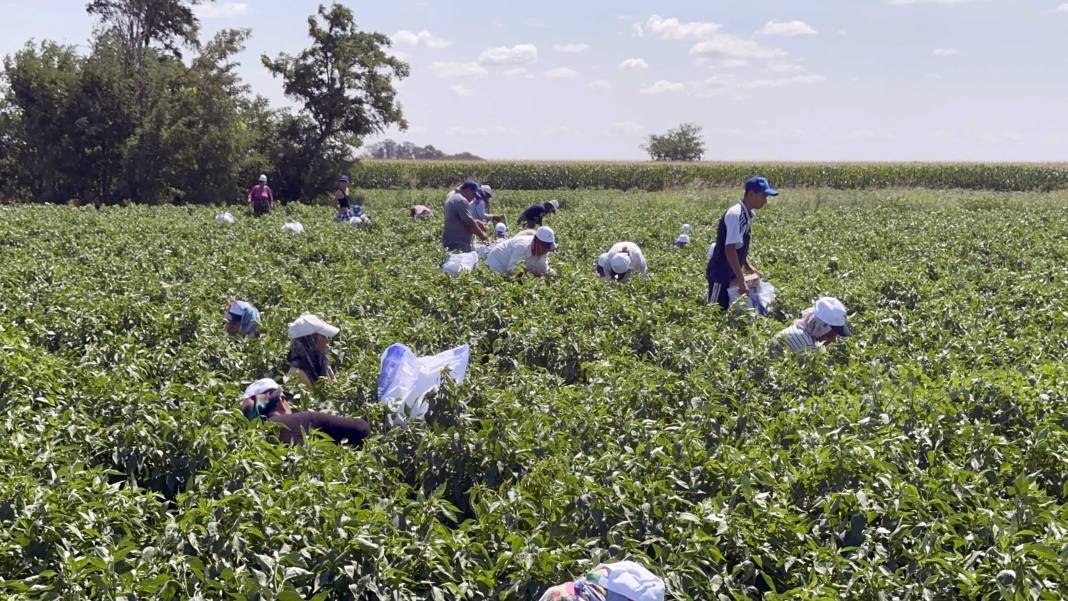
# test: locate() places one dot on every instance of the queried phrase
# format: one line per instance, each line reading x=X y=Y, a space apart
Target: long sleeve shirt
x=505 y=256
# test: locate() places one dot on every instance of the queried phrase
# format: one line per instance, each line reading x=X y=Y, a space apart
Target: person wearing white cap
x=529 y=247
x=307 y=358
x=623 y=259
x=241 y=318
x=480 y=206
x=500 y=230
x=260 y=197
x=535 y=214
x=620 y=581
x=684 y=236
x=264 y=399
x=818 y=326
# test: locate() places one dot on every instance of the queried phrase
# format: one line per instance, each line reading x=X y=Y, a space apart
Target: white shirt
x=795 y=339
x=637 y=258
x=737 y=221
x=505 y=256
x=478 y=209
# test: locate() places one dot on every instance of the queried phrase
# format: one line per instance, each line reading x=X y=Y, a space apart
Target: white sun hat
x=259 y=387
x=555 y=203
x=633 y=581
x=308 y=324
x=546 y=235
x=832 y=312
x=488 y=191
x=501 y=229
x=263 y=179
x=620 y=264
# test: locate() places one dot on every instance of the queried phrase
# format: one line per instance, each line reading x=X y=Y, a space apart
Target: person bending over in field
x=500 y=230
x=529 y=247
x=818 y=327
x=241 y=319
x=260 y=197
x=419 y=212
x=460 y=223
x=534 y=215
x=480 y=207
x=623 y=259
x=308 y=337
x=684 y=237
x=730 y=256
x=620 y=581
x=265 y=400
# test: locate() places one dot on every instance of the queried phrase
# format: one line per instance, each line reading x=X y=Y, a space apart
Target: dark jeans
x=294 y=425
x=717 y=291
x=260 y=207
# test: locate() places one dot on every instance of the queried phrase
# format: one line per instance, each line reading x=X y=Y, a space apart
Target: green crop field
x=926 y=457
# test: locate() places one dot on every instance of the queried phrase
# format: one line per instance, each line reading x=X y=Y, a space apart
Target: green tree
x=683 y=143
x=344 y=83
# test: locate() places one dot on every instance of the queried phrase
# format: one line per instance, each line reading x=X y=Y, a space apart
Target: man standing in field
x=460 y=224
x=731 y=252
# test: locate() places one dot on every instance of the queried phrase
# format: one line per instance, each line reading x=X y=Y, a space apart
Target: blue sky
x=799 y=80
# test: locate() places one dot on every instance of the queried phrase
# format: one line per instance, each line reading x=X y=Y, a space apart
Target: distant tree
x=344 y=83
x=683 y=143
x=406 y=151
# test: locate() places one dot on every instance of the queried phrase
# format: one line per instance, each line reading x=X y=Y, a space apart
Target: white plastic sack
x=363 y=220
x=293 y=227
x=405 y=379
x=225 y=218
x=760 y=298
x=458 y=263
x=482 y=250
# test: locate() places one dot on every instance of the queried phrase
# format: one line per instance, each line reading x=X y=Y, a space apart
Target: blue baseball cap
x=760 y=184
x=343 y=178
x=472 y=185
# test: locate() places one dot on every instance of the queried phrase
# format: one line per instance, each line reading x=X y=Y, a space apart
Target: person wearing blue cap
x=730 y=255
x=460 y=223
x=343 y=203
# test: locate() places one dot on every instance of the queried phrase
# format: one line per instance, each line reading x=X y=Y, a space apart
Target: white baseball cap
x=263 y=179
x=488 y=191
x=259 y=387
x=832 y=312
x=546 y=235
x=555 y=203
x=633 y=581
x=308 y=324
x=501 y=229
x=620 y=263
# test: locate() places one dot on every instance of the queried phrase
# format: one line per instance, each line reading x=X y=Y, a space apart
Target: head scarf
x=250 y=317
x=812 y=325
x=303 y=356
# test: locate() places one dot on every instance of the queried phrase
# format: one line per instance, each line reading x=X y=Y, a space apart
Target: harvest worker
x=264 y=399
x=533 y=216
x=684 y=237
x=307 y=349
x=623 y=259
x=731 y=252
x=241 y=318
x=342 y=202
x=819 y=326
x=500 y=230
x=260 y=197
x=420 y=212
x=480 y=206
x=621 y=581
x=529 y=247
x=460 y=224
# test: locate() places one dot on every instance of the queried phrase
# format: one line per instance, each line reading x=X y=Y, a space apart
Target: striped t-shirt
x=795 y=339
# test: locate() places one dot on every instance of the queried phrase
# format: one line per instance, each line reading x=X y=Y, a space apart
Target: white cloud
x=421 y=38
x=734 y=63
x=842 y=32
x=223 y=10
x=461 y=90
x=634 y=64
x=783 y=82
x=497 y=130
x=561 y=73
x=787 y=28
x=934 y=76
x=673 y=29
x=600 y=84
x=663 y=87
x=1063 y=8
x=730 y=46
x=515 y=72
x=571 y=48
x=786 y=68
x=446 y=70
x=945 y=52
x=732 y=83
x=520 y=54
x=910 y=2
x=628 y=128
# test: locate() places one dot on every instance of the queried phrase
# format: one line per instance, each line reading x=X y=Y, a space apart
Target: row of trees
x=135 y=118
